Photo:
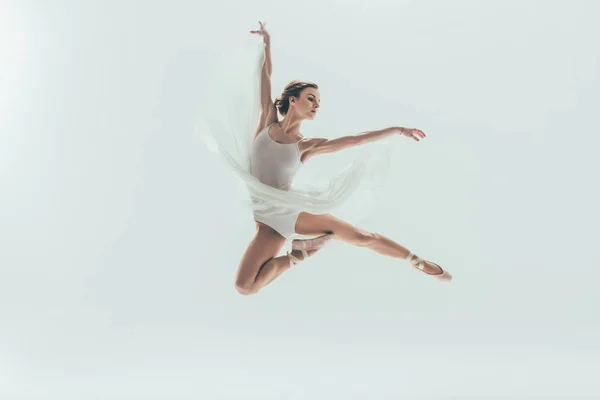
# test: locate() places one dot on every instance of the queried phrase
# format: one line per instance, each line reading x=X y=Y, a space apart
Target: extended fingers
x=416 y=134
x=262 y=29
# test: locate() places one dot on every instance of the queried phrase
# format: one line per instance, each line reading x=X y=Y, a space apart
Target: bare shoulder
x=306 y=145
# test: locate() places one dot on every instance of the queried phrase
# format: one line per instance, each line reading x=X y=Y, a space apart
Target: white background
x=120 y=233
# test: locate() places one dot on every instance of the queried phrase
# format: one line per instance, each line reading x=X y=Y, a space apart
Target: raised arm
x=265 y=78
x=268 y=110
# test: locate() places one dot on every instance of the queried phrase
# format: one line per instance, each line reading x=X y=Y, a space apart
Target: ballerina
x=278 y=149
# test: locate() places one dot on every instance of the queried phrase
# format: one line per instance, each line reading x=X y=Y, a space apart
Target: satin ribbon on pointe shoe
x=312 y=243
x=295 y=260
x=419 y=263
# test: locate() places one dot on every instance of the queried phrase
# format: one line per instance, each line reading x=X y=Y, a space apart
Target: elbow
x=266 y=72
x=267 y=106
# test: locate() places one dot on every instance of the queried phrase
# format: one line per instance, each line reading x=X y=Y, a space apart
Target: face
x=307 y=105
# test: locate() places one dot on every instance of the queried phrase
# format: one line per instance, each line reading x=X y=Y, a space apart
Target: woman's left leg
x=318 y=224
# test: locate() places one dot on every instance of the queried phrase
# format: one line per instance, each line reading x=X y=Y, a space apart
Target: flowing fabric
x=229 y=118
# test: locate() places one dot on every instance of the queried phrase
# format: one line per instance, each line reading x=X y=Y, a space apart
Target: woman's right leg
x=259 y=265
x=276 y=266
x=265 y=245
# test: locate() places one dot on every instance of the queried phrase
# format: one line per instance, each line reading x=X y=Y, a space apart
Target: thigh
x=265 y=245
x=319 y=224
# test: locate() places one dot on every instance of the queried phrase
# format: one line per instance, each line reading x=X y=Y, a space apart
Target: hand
x=262 y=32
x=416 y=134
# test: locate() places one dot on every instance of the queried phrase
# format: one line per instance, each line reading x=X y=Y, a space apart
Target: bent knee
x=244 y=289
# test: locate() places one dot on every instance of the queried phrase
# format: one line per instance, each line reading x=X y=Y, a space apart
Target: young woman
x=277 y=150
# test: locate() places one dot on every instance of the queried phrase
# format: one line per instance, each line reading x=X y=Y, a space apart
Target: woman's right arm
x=265 y=79
x=268 y=110
x=265 y=92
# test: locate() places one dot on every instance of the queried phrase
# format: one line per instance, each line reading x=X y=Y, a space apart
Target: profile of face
x=306 y=106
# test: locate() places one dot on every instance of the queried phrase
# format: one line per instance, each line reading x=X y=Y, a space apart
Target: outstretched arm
x=324 y=146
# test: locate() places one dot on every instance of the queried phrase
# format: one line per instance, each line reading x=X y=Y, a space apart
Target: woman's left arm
x=372 y=136
x=324 y=146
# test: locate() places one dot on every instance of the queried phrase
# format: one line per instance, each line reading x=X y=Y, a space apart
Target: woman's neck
x=290 y=125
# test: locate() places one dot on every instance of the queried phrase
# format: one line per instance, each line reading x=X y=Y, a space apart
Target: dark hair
x=292 y=89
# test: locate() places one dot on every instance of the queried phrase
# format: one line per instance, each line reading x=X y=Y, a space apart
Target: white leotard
x=275 y=164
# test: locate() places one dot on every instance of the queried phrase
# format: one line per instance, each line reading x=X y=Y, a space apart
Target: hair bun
x=292 y=89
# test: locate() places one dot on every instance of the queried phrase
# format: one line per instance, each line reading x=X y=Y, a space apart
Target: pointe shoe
x=419 y=263
x=295 y=260
x=313 y=243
